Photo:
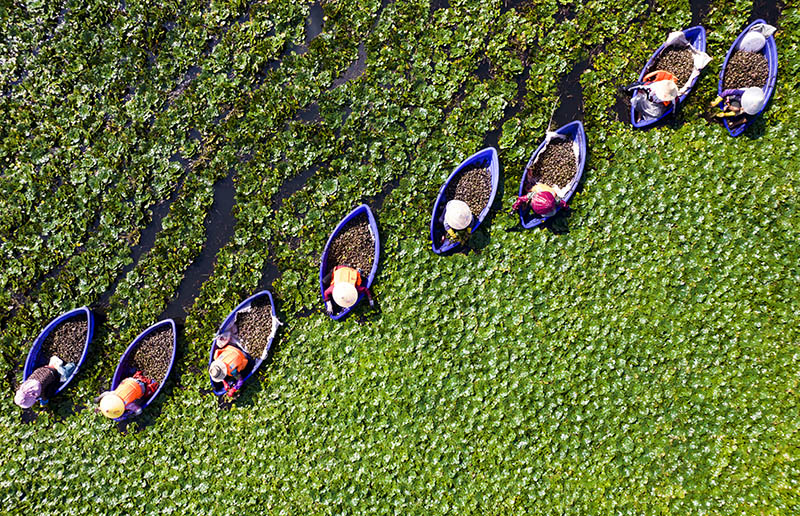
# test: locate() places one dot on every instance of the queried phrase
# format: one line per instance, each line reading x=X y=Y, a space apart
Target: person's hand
x=137 y=411
x=328 y=308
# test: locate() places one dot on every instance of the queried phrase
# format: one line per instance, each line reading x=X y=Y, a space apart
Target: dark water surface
x=219 y=224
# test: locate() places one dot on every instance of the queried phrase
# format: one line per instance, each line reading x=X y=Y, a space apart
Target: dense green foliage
x=642 y=362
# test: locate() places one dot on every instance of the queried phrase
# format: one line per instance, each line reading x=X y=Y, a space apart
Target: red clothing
x=329 y=291
x=150 y=385
x=659 y=75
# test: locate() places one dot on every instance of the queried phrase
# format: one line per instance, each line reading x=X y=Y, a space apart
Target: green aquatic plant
x=637 y=358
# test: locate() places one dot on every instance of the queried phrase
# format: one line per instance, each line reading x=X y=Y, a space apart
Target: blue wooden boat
x=697 y=38
x=36 y=360
x=575 y=133
x=770 y=52
x=227 y=325
x=124 y=370
x=486 y=158
x=339 y=312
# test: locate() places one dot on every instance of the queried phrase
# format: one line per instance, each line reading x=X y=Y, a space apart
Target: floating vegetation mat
x=556 y=165
x=473 y=187
x=354 y=246
x=745 y=69
x=66 y=341
x=153 y=354
x=255 y=326
x=677 y=61
x=637 y=357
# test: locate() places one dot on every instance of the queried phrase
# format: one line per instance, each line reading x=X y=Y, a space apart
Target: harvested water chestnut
x=474 y=187
x=678 y=61
x=555 y=166
x=744 y=70
x=255 y=326
x=67 y=340
x=153 y=354
x=353 y=246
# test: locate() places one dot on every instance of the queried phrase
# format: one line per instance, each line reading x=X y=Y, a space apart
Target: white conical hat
x=752 y=100
x=666 y=91
x=457 y=214
x=112 y=406
x=345 y=294
x=217 y=370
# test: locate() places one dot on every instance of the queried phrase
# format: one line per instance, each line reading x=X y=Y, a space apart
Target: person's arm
x=650 y=77
x=726 y=96
x=447 y=232
x=134 y=408
x=633 y=86
x=732 y=92
x=461 y=236
x=232 y=388
x=447 y=228
x=727 y=108
x=222 y=341
x=152 y=387
x=326 y=296
x=364 y=290
x=520 y=202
